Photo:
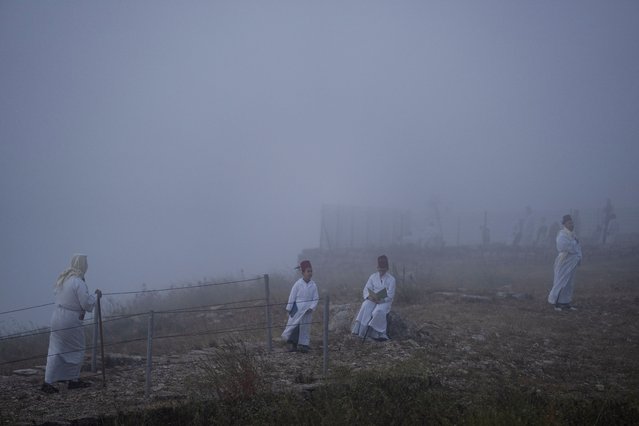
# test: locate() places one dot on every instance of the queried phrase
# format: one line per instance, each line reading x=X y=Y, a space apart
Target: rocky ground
x=469 y=341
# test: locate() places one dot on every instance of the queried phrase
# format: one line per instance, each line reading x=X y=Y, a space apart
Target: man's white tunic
x=374 y=314
x=66 y=341
x=305 y=296
x=566 y=263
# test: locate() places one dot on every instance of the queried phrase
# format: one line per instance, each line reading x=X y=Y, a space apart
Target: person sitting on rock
x=378 y=297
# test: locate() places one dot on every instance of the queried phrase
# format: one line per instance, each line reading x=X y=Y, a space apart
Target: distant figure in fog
x=66 y=341
x=302 y=301
x=566 y=263
x=378 y=297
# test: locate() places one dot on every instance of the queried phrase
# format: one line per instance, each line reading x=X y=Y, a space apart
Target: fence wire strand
x=144 y=291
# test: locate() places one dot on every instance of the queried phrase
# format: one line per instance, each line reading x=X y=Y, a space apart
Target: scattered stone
x=478 y=337
x=475 y=298
x=116 y=359
x=26 y=372
x=522 y=296
x=341 y=318
x=413 y=343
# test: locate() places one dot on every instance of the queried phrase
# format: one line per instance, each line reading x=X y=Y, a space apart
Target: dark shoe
x=48 y=388
x=77 y=384
x=564 y=307
x=304 y=349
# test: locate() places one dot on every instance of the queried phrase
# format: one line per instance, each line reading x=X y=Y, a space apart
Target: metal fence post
x=325 y=352
x=94 y=350
x=149 y=356
x=102 y=364
x=269 y=321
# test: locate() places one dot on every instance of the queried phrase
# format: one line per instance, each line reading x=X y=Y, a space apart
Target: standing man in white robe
x=566 y=263
x=301 y=303
x=371 y=319
x=66 y=341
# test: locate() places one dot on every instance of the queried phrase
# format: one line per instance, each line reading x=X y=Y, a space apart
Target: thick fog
x=173 y=141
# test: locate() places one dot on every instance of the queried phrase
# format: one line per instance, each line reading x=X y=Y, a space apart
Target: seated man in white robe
x=378 y=297
x=566 y=263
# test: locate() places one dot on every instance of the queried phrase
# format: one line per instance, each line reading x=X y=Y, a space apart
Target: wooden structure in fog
x=344 y=226
x=359 y=227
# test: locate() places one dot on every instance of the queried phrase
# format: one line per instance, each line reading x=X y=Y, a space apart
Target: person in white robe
x=66 y=340
x=566 y=263
x=302 y=301
x=378 y=294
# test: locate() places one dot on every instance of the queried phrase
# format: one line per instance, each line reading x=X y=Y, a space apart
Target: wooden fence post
x=149 y=356
x=99 y=308
x=325 y=351
x=269 y=321
x=94 y=349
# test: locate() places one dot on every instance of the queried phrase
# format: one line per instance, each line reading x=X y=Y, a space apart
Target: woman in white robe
x=66 y=341
x=302 y=301
x=565 y=268
x=371 y=318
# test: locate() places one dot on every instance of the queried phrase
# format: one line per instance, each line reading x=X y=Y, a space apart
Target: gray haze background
x=172 y=141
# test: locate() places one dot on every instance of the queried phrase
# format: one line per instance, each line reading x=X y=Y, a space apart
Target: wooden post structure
x=149 y=357
x=99 y=308
x=269 y=321
x=325 y=351
x=94 y=349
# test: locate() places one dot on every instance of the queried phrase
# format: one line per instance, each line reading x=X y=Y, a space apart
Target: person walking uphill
x=378 y=297
x=301 y=303
x=66 y=341
x=566 y=263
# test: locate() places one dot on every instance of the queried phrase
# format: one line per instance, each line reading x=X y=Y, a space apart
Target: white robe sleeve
x=368 y=288
x=390 y=291
x=315 y=298
x=87 y=301
x=567 y=244
x=292 y=297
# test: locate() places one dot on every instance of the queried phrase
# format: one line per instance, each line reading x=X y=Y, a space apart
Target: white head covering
x=78 y=268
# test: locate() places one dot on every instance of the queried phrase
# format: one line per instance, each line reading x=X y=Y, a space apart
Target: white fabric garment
x=566 y=263
x=66 y=341
x=373 y=314
x=78 y=268
x=305 y=296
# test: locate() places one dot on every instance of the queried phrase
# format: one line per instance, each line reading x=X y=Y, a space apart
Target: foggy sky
x=172 y=141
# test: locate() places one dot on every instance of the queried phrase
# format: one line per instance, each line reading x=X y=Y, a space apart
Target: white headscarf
x=78 y=268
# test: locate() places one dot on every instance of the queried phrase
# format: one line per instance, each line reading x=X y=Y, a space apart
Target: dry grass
x=494 y=360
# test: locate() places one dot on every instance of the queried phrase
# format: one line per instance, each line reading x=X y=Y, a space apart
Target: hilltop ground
x=474 y=332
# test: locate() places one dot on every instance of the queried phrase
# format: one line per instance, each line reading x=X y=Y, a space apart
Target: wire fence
x=119 y=293
x=98 y=341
